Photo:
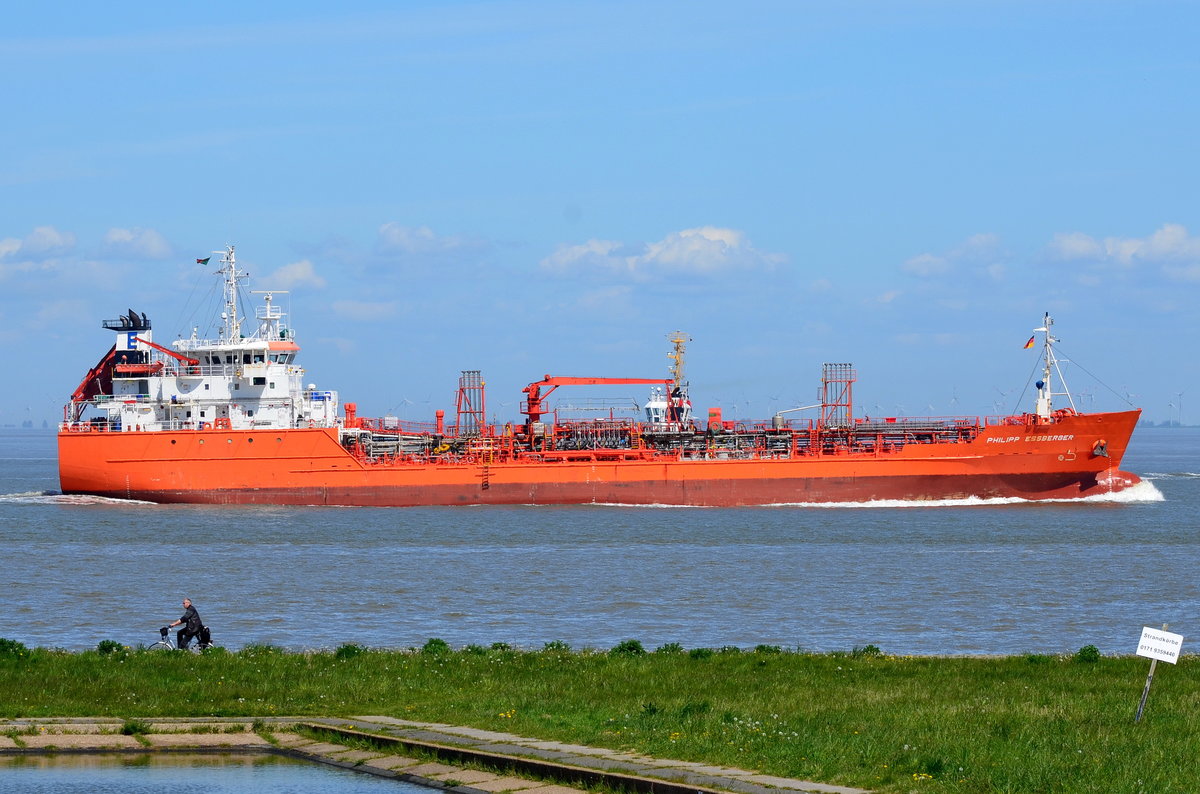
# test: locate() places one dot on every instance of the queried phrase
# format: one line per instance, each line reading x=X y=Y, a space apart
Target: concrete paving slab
x=434 y=726
x=70 y=727
x=383 y=719
x=175 y=726
x=65 y=723
x=431 y=768
x=574 y=749
x=320 y=748
x=802 y=785
x=437 y=737
x=83 y=741
x=485 y=736
x=467 y=777
x=206 y=740
x=292 y=739
x=507 y=784
x=6 y=742
x=604 y=764
x=722 y=771
x=354 y=756
x=551 y=790
x=393 y=762
x=668 y=763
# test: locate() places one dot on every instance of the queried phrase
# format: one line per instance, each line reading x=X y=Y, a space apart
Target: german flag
x=1029 y=344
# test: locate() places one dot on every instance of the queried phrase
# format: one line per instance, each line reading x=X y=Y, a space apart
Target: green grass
x=1016 y=724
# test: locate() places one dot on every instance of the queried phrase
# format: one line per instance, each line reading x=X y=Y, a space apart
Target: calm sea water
x=968 y=579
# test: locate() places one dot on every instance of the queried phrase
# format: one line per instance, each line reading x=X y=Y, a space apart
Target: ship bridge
x=235 y=381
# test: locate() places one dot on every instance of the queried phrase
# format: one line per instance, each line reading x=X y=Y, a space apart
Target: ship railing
x=868 y=425
x=995 y=421
x=92 y=425
x=393 y=425
x=107 y=400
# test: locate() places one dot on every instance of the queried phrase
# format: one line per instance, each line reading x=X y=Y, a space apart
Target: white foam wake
x=55 y=498
x=1135 y=494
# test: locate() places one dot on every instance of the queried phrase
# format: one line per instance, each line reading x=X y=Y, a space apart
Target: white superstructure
x=238 y=381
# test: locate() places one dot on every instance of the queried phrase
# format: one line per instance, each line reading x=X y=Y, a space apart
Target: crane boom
x=191 y=362
x=534 y=405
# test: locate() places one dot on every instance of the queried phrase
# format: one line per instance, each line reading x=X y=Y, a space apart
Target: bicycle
x=202 y=643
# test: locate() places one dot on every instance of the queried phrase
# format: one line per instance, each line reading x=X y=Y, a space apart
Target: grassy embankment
x=1014 y=724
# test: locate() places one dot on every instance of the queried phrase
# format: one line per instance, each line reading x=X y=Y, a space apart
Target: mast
x=677 y=398
x=232 y=329
x=1045 y=397
x=678 y=340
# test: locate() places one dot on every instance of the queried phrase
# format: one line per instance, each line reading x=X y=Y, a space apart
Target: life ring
x=1100 y=448
x=311 y=423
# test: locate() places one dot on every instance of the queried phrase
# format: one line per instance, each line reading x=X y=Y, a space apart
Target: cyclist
x=190 y=620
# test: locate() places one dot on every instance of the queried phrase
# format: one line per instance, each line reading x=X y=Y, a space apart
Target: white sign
x=1158 y=644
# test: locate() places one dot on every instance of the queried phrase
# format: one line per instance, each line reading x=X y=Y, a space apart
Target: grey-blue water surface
x=990 y=579
x=185 y=774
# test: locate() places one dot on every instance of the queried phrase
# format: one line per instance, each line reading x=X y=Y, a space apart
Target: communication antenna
x=678 y=340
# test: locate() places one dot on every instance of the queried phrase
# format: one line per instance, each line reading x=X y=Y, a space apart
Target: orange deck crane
x=534 y=405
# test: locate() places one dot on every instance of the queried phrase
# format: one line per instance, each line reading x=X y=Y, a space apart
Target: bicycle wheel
x=161 y=645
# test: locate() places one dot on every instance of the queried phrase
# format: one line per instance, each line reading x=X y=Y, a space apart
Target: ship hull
x=310 y=467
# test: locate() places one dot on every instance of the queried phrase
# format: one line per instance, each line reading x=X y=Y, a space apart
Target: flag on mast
x=1028 y=344
x=203 y=261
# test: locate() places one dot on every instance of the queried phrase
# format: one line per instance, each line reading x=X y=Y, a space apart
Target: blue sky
x=531 y=187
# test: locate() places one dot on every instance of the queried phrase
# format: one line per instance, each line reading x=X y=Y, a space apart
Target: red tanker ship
x=229 y=421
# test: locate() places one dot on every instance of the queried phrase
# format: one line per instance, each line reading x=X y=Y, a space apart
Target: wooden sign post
x=1156 y=645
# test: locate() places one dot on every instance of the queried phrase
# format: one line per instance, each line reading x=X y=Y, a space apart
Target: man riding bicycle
x=191 y=625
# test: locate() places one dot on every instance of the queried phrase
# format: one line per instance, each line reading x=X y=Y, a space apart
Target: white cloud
x=296 y=274
x=397 y=238
x=1183 y=272
x=44 y=240
x=365 y=310
x=925 y=265
x=979 y=251
x=1170 y=246
x=1074 y=245
x=1171 y=243
x=704 y=249
x=142 y=243
x=47 y=239
x=593 y=253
